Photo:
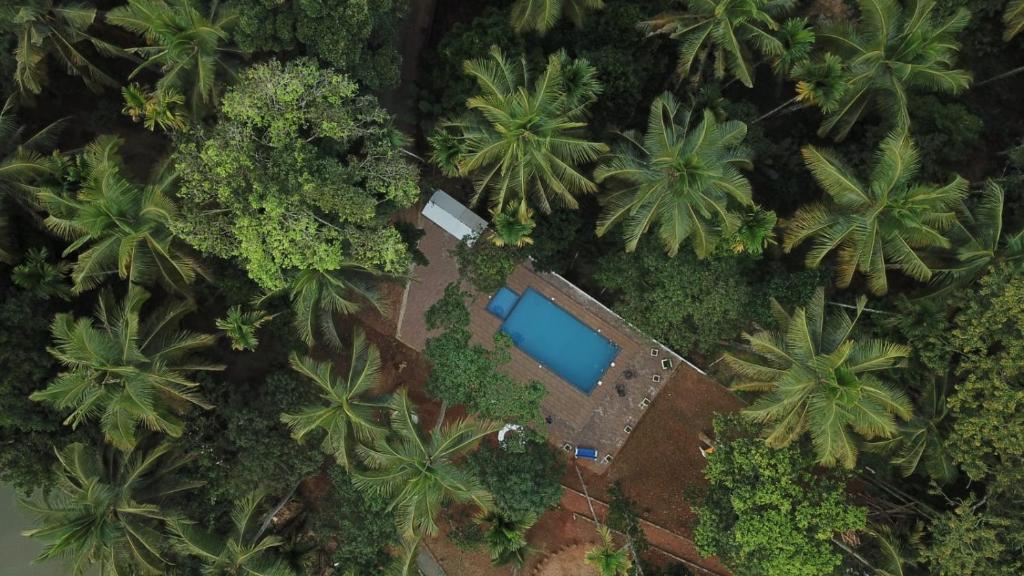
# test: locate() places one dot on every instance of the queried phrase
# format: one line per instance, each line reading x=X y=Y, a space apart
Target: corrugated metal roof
x=452 y=216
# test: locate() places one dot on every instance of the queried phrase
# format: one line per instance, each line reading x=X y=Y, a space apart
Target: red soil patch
x=556 y=530
x=661 y=458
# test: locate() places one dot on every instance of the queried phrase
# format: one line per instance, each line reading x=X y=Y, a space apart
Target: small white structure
x=452 y=216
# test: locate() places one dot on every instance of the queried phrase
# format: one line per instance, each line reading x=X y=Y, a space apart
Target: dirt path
x=413 y=36
x=677 y=547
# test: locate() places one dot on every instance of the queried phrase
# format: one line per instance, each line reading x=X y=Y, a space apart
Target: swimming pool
x=553 y=337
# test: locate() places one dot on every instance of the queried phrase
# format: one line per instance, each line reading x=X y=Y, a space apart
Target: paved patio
x=598 y=420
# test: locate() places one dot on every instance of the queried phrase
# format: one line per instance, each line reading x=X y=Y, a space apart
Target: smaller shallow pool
x=554 y=337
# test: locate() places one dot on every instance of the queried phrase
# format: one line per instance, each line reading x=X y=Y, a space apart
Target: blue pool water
x=553 y=337
x=502 y=303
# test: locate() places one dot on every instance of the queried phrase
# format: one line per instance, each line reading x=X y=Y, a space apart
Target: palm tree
x=345 y=416
x=727 y=30
x=242 y=552
x=508 y=229
x=43 y=278
x=154 y=108
x=123 y=370
x=103 y=509
x=819 y=378
x=22 y=166
x=920 y=443
x=880 y=225
x=891 y=51
x=542 y=15
x=186 y=45
x=1013 y=17
x=608 y=559
x=979 y=242
x=241 y=326
x=127 y=228
x=505 y=536
x=48 y=30
x=682 y=175
x=318 y=295
x=419 y=474
x=521 y=141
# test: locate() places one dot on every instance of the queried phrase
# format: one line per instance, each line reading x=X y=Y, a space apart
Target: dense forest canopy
x=207 y=217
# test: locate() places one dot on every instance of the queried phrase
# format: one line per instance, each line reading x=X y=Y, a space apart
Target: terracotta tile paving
x=597 y=420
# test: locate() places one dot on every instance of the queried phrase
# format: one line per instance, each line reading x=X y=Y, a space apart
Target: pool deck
x=597 y=420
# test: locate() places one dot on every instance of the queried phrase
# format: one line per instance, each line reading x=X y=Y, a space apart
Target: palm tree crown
x=242 y=552
x=104 y=509
x=1013 y=17
x=520 y=140
x=240 y=326
x=317 y=296
x=22 y=168
x=186 y=45
x=609 y=559
x=419 y=474
x=682 y=176
x=48 y=30
x=819 y=378
x=726 y=30
x=126 y=228
x=879 y=225
x=123 y=370
x=890 y=51
x=542 y=15
x=978 y=242
x=345 y=416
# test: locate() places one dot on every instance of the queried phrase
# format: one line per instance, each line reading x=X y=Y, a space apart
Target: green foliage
x=124 y=229
x=361 y=529
x=126 y=371
x=242 y=446
x=1013 y=18
x=317 y=298
x=186 y=46
x=768 y=511
x=607 y=559
x=505 y=537
x=42 y=278
x=447 y=88
x=525 y=482
x=50 y=30
x=819 y=377
x=486 y=265
x=299 y=173
x=240 y=327
x=879 y=225
x=683 y=174
x=727 y=31
x=418 y=474
x=523 y=141
x=241 y=551
x=357 y=37
x=467 y=373
x=945 y=130
x=154 y=108
x=891 y=51
x=343 y=413
x=988 y=429
x=623 y=517
x=975 y=539
x=687 y=303
x=30 y=430
x=540 y=16
x=105 y=511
